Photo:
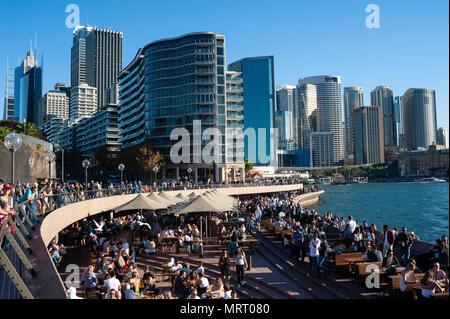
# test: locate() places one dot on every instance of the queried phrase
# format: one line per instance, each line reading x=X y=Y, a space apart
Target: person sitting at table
x=193 y=294
x=217 y=290
x=429 y=285
x=234 y=294
x=390 y=262
x=407 y=278
x=186 y=269
x=127 y=292
x=439 y=275
x=234 y=234
x=223 y=235
x=200 y=268
x=374 y=255
x=204 y=284
x=187 y=242
x=181 y=286
x=227 y=291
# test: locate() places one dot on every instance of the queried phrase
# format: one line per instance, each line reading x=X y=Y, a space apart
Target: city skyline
x=366 y=65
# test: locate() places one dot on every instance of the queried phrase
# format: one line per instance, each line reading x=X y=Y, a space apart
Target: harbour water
x=422 y=207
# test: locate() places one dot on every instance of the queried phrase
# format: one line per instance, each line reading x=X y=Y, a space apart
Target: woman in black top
x=224 y=265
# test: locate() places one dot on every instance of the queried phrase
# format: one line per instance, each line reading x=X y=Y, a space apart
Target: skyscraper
x=8 y=113
x=96 y=59
x=286 y=98
x=323 y=149
x=442 y=137
x=398 y=121
x=259 y=106
x=353 y=99
x=306 y=110
x=329 y=110
x=419 y=114
x=382 y=96
x=27 y=89
x=368 y=135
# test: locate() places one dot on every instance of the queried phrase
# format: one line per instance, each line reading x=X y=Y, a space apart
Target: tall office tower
x=382 y=96
x=27 y=89
x=419 y=115
x=353 y=99
x=398 y=121
x=306 y=110
x=96 y=59
x=283 y=122
x=184 y=82
x=259 y=107
x=329 y=110
x=286 y=98
x=442 y=137
x=235 y=123
x=83 y=101
x=8 y=112
x=368 y=135
x=323 y=149
x=54 y=103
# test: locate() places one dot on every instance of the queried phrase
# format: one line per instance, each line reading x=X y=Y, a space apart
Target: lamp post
x=13 y=142
x=190 y=172
x=50 y=157
x=86 y=164
x=58 y=146
x=156 y=169
x=121 y=169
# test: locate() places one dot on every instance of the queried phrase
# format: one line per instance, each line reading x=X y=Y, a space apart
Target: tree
x=147 y=159
x=4 y=131
x=16 y=127
x=248 y=166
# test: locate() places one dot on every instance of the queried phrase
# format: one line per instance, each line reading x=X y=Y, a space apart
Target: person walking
x=313 y=253
x=241 y=265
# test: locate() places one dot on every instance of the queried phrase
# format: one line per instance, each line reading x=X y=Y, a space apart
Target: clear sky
x=410 y=49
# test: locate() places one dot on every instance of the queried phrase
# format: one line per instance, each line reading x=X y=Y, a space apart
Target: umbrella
x=200 y=204
x=182 y=197
x=170 y=198
x=223 y=203
x=140 y=202
x=160 y=199
x=222 y=195
x=192 y=195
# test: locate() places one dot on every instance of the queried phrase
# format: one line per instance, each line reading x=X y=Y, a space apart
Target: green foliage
x=7 y=127
x=248 y=166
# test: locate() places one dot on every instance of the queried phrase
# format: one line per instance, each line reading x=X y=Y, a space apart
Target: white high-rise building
x=83 y=101
x=329 y=110
x=383 y=97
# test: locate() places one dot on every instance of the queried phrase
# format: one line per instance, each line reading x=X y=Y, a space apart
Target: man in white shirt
x=113 y=283
x=352 y=223
x=313 y=252
x=193 y=294
x=204 y=283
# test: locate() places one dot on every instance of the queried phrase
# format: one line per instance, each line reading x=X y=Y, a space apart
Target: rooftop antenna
x=87 y=20
x=35 y=41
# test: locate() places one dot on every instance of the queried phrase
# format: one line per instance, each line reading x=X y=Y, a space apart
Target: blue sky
x=410 y=49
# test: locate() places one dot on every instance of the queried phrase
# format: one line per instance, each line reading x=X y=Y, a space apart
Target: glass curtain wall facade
x=419 y=111
x=353 y=99
x=259 y=107
x=382 y=96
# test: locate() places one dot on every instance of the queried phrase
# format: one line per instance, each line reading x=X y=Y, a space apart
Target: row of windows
x=190 y=59
x=181 y=90
x=180 y=52
x=190 y=79
x=181 y=100
x=193 y=39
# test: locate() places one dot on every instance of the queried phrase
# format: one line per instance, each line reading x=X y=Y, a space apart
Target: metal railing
x=16 y=270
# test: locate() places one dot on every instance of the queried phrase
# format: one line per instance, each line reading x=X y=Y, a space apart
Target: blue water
x=422 y=207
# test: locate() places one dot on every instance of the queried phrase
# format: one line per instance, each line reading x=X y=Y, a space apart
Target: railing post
x=14 y=276
x=19 y=234
x=26 y=262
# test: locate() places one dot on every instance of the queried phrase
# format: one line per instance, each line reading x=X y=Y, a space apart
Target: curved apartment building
x=170 y=84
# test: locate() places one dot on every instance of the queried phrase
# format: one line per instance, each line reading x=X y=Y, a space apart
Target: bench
x=339 y=262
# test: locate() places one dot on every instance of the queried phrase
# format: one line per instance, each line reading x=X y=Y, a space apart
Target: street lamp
x=190 y=172
x=86 y=164
x=121 y=169
x=13 y=142
x=50 y=157
x=58 y=146
x=156 y=169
